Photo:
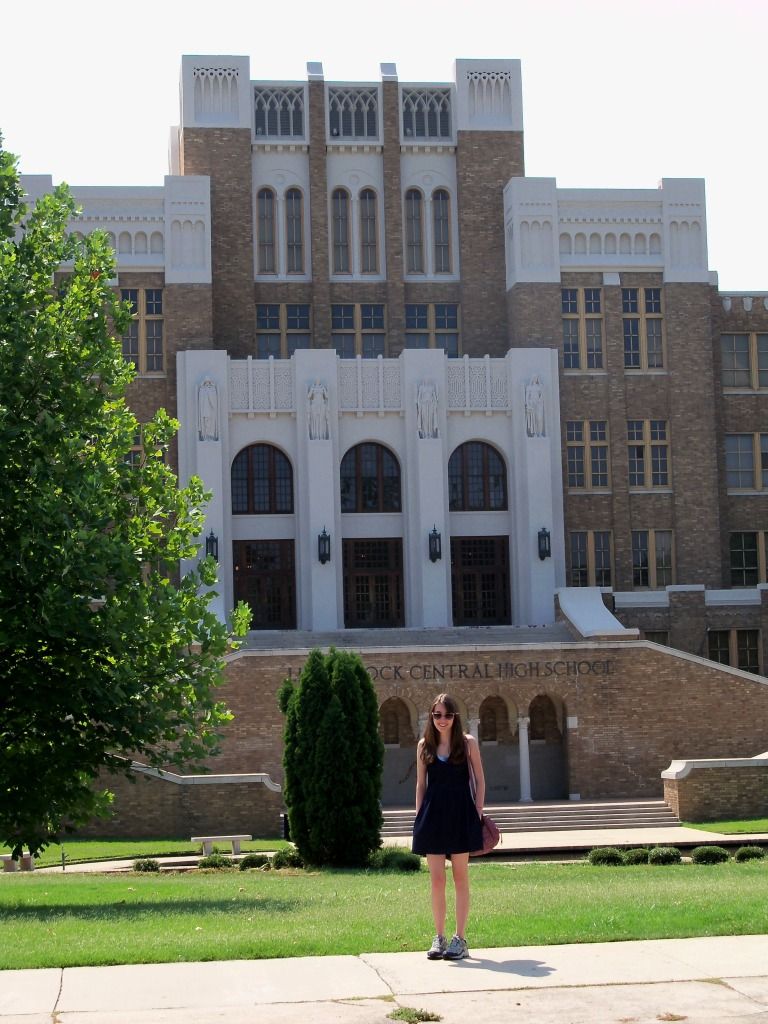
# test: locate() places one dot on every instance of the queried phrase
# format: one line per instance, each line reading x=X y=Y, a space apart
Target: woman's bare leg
x=460 y=870
x=436 y=864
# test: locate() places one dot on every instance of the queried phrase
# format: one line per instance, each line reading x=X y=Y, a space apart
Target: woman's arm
x=421 y=776
x=476 y=762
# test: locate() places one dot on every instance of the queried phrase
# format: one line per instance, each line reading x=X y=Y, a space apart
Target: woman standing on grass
x=448 y=816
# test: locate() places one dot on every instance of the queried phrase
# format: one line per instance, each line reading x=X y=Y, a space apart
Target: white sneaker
x=457 y=949
x=438 y=947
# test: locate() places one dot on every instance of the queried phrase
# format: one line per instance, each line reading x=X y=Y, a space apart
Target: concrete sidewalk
x=717 y=980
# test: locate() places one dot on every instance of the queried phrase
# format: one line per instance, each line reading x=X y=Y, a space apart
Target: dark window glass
x=370 y=480
x=262 y=481
x=477 y=479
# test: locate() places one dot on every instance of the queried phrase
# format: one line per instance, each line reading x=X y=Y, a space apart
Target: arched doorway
x=500 y=750
x=398 y=782
x=549 y=770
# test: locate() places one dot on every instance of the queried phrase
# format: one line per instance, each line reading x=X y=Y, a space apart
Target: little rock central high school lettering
x=491 y=670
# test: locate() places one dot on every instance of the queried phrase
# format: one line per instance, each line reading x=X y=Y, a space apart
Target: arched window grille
x=441 y=230
x=279 y=112
x=414 y=231
x=340 y=228
x=427 y=113
x=262 y=481
x=265 y=202
x=294 y=231
x=370 y=479
x=369 y=246
x=477 y=479
x=353 y=113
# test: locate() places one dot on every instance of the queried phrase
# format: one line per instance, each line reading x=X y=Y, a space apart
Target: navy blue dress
x=447 y=821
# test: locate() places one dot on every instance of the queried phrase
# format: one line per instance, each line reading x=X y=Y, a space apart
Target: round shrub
x=607 y=856
x=637 y=856
x=216 y=861
x=664 y=855
x=749 y=853
x=287 y=859
x=394 y=858
x=254 y=860
x=146 y=864
x=709 y=855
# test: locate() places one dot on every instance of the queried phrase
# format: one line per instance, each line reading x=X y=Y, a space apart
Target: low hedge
x=749 y=853
x=639 y=855
x=664 y=855
x=254 y=860
x=146 y=864
x=215 y=861
x=394 y=858
x=709 y=855
x=605 y=856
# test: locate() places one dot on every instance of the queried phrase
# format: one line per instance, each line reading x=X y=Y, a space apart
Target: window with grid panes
x=370 y=479
x=477 y=479
x=652 y=558
x=746 y=462
x=441 y=231
x=265 y=231
x=747 y=558
x=143 y=341
x=281 y=328
x=744 y=361
x=590 y=564
x=582 y=328
x=358 y=330
x=369 y=244
x=262 y=481
x=737 y=647
x=433 y=325
x=648 y=453
x=340 y=231
x=642 y=322
x=414 y=231
x=294 y=231
x=587 y=454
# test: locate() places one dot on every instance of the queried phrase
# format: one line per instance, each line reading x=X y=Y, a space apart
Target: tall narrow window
x=294 y=231
x=441 y=221
x=340 y=224
x=266 y=230
x=369 y=258
x=414 y=232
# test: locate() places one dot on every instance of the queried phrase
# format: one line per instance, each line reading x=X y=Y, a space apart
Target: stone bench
x=208 y=842
x=26 y=862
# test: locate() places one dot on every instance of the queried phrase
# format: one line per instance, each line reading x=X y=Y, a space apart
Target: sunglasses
x=439 y=714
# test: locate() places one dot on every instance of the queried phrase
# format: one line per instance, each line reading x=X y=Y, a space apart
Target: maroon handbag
x=491 y=836
x=491 y=833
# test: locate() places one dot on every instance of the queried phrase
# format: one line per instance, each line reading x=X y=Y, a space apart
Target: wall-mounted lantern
x=212 y=546
x=545 y=546
x=435 y=545
x=323 y=547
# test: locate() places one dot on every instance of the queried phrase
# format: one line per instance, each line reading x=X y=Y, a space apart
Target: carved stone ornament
x=208 y=411
x=534 y=408
x=317 y=410
x=426 y=409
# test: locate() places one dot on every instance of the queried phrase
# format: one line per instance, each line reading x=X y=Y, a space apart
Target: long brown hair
x=431 y=739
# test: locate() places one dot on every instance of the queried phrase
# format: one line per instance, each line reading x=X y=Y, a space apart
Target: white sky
x=615 y=94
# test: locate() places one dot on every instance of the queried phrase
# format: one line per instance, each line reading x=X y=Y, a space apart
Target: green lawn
x=67 y=920
x=79 y=850
x=731 y=827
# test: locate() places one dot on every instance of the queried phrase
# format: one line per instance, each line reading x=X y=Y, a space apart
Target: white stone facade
x=265 y=401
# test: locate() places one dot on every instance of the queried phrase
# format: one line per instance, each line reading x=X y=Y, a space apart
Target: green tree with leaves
x=332 y=760
x=104 y=653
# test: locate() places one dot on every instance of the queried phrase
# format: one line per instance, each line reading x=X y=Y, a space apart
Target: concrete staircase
x=556 y=816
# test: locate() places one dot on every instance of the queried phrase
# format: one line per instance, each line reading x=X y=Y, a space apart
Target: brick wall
x=719 y=794
x=224 y=154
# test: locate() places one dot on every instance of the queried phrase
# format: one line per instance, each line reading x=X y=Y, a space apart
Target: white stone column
x=473 y=725
x=525 y=760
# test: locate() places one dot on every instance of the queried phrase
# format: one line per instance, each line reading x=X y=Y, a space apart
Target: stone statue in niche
x=534 y=408
x=317 y=407
x=426 y=409
x=208 y=411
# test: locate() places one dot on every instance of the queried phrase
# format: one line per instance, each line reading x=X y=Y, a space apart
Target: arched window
x=477 y=479
x=441 y=230
x=340 y=229
x=369 y=248
x=294 y=231
x=543 y=716
x=414 y=232
x=266 y=231
x=370 y=480
x=262 y=481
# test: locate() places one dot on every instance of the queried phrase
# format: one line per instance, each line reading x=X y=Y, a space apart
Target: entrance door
x=264 y=577
x=480 y=581
x=373 y=583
